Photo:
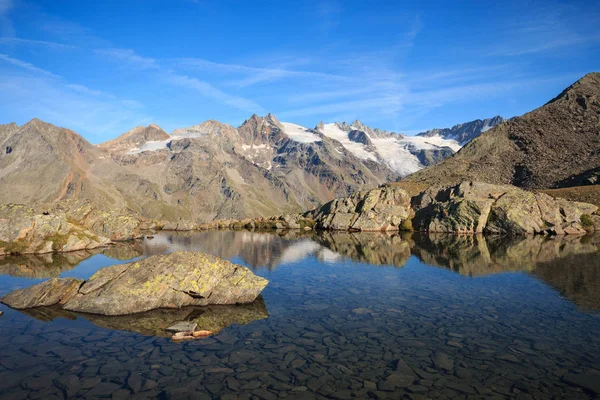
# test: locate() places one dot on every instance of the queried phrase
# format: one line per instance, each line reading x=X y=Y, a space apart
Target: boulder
x=173 y=280
x=379 y=209
x=48 y=293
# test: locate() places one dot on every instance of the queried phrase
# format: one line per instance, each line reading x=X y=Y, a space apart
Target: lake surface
x=344 y=316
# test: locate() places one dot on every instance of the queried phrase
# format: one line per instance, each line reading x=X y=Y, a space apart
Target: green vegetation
x=58 y=241
x=14 y=248
x=306 y=222
x=406 y=225
x=586 y=221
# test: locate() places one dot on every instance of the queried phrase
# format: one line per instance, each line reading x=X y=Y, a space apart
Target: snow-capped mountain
x=214 y=170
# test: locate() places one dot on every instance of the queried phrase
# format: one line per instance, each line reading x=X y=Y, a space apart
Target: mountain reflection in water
x=571 y=264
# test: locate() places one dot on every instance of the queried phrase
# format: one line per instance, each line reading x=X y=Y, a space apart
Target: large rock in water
x=174 y=280
x=379 y=209
x=476 y=207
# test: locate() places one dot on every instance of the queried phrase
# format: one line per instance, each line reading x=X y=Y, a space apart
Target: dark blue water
x=344 y=316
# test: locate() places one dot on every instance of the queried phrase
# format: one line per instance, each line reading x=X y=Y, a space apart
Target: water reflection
x=456 y=317
x=214 y=318
x=569 y=264
x=53 y=265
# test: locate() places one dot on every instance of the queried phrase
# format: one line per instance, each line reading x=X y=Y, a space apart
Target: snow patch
x=358 y=149
x=299 y=133
x=152 y=145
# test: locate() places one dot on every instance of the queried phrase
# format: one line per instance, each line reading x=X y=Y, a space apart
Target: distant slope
x=539 y=150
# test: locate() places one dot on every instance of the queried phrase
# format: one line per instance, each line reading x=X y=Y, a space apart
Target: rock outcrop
x=174 y=280
x=475 y=207
x=64 y=226
x=382 y=209
x=469 y=207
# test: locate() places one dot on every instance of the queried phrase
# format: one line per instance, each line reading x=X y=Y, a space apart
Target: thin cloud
x=27 y=66
x=254 y=75
x=16 y=40
x=130 y=57
x=208 y=90
x=91 y=92
x=176 y=79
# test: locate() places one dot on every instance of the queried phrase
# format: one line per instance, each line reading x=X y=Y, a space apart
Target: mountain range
x=266 y=167
x=213 y=170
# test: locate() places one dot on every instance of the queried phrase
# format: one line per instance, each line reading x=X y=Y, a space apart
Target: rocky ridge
x=542 y=149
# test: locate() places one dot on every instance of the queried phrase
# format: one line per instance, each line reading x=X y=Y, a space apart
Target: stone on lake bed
x=174 y=280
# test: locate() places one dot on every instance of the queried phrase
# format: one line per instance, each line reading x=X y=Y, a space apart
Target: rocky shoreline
x=466 y=208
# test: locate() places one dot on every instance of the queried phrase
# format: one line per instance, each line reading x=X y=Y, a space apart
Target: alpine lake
x=345 y=315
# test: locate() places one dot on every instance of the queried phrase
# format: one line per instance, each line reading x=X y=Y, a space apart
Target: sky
x=101 y=68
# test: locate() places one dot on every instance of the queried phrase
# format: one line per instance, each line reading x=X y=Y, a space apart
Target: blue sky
x=101 y=68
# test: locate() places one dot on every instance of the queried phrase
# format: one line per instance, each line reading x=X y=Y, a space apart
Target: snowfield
x=299 y=133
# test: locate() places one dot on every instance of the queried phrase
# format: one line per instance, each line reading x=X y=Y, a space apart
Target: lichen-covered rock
x=24 y=230
x=48 y=293
x=379 y=209
x=166 y=281
x=173 y=280
x=476 y=207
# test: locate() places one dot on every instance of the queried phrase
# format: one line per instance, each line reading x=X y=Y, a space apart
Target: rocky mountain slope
x=208 y=171
x=542 y=149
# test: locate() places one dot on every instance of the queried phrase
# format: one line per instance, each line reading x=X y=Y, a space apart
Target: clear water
x=344 y=316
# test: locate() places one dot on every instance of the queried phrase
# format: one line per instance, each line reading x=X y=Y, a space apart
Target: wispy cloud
x=130 y=57
x=16 y=40
x=91 y=92
x=27 y=66
x=253 y=75
x=181 y=80
x=208 y=90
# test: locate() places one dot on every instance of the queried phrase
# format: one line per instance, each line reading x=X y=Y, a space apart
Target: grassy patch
x=586 y=221
x=306 y=222
x=406 y=225
x=58 y=241
x=16 y=247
